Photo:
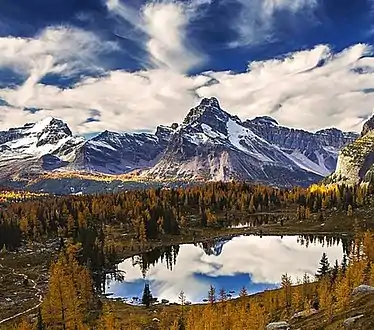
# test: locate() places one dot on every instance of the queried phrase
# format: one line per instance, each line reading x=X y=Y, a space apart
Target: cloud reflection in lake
x=251 y=261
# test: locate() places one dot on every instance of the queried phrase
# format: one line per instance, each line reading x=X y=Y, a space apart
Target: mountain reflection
x=251 y=261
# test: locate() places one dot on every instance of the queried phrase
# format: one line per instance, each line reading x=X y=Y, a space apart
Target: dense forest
x=154 y=212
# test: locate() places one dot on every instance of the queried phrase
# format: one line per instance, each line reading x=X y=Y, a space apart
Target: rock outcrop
x=356 y=161
x=350 y=323
x=363 y=289
x=282 y=325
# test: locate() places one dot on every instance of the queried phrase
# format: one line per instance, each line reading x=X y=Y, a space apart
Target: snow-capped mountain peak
x=34 y=139
x=208 y=109
x=214 y=145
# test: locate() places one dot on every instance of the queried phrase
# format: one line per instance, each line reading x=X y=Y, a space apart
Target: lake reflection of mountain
x=251 y=261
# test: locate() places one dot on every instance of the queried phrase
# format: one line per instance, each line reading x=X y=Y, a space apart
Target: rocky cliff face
x=368 y=126
x=356 y=160
x=315 y=152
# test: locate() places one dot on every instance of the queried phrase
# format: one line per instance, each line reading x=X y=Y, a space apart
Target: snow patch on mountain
x=208 y=131
x=41 y=125
x=305 y=163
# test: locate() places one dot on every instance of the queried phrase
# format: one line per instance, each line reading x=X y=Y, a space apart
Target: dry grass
x=363 y=304
x=137 y=317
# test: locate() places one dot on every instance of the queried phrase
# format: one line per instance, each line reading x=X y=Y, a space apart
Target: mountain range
x=210 y=144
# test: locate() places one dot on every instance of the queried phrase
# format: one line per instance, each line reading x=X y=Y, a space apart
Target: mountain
x=115 y=153
x=49 y=136
x=211 y=144
x=35 y=147
x=315 y=152
x=356 y=161
x=49 y=146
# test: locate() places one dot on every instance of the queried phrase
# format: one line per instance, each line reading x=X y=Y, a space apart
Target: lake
x=254 y=262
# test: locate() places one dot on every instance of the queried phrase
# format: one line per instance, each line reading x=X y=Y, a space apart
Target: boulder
x=278 y=326
x=350 y=322
x=304 y=313
x=363 y=289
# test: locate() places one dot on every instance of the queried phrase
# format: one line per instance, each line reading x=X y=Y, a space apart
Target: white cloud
x=163 y=27
x=64 y=48
x=60 y=50
x=310 y=89
x=126 y=101
x=256 y=19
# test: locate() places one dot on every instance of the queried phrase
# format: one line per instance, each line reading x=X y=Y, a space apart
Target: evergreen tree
x=243 y=292
x=344 y=263
x=147 y=296
x=212 y=295
x=324 y=268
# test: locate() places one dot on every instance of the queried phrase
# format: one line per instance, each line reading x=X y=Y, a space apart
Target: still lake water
x=254 y=262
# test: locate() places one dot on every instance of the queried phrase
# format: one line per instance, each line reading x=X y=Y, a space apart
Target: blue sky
x=132 y=65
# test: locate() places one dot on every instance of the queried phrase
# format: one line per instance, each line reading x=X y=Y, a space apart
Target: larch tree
x=107 y=319
x=286 y=284
x=350 y=210
x=343 y=291
x=182 y=299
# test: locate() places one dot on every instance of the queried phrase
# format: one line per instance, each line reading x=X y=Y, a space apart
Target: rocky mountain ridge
x=316 y=151
x=210 y=144
x=213 y=145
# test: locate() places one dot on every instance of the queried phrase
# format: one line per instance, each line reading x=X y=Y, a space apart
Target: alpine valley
x=209 y=145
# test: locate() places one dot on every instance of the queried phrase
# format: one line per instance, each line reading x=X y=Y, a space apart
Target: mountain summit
x=210 y=144
x=48 y=136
